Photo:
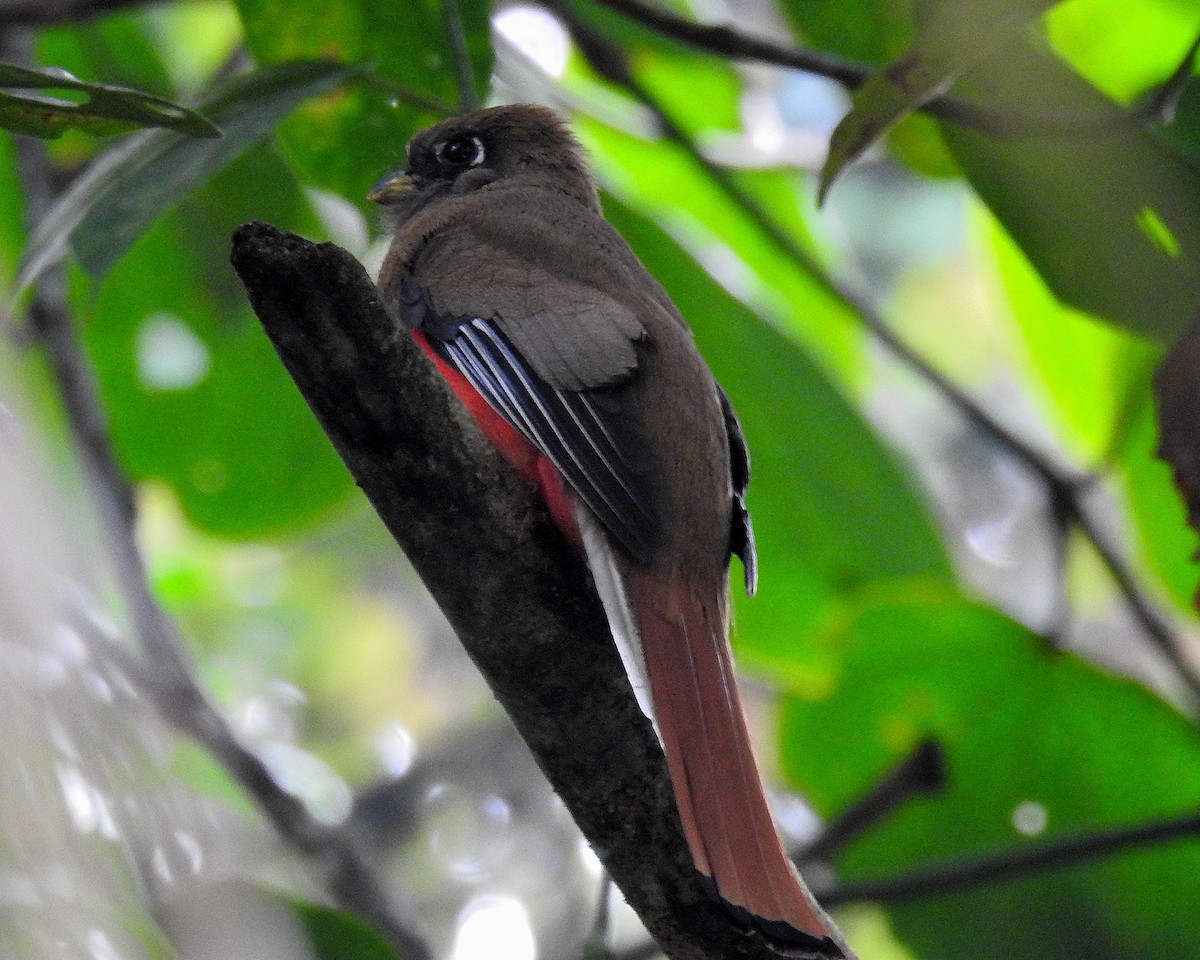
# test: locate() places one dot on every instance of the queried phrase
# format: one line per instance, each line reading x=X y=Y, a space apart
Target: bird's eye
x=462 y=151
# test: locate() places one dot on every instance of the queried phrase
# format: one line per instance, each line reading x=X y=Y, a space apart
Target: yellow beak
x=391 y=188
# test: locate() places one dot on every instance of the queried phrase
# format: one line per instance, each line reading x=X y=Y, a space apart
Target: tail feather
x=726 y=819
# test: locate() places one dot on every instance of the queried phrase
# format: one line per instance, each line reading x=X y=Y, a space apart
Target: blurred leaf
x=344 y=142
x=1177 y=392
x=1157 y=508
x=875 y=31
x=831 y=509
x=196 y=394
x=1108 y=213
x=1123 y=48
x=126 y=189
x=102 y=108
x=337 y=935
x=949 y=41
x=1087 y=373
x=1035 y=738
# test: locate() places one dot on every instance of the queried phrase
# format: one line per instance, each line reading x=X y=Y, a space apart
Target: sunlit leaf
x=1123 y=48
x=99 y=108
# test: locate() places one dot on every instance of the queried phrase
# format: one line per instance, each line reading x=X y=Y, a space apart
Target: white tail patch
x=610 y=584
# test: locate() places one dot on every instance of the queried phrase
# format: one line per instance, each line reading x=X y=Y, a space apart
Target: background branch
x=959 y=876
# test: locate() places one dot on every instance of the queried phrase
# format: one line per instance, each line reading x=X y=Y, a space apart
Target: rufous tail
x=726 y=819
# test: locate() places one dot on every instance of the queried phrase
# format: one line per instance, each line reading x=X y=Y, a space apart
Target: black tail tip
x=780 y=935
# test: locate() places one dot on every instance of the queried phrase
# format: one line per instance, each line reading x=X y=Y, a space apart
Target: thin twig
x=1064 y=487
x=958 y=876
x=921 y=773
x=456 y=35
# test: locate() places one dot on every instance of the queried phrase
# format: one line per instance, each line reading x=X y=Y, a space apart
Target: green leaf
x=1107 y=212
x=196 y=395
x=1033 y=737
x=337 y=935
x=100 y=109
x=128 y=188
x=344 y=143
x=948 y=44
x=1086 y=373
x=875 y=31
x=1123 y=48
x=1162 y=536
x=831 y=509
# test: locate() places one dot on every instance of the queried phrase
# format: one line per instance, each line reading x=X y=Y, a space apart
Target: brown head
x=466 y=153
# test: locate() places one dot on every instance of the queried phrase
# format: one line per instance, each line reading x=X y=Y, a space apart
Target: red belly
x=518 y=451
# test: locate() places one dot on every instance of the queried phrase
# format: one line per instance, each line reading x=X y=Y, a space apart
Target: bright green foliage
x=1034 y=738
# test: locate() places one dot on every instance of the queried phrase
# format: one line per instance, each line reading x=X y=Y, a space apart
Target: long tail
x=699 y=717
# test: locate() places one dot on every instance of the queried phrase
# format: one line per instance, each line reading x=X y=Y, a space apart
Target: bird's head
x=465 y=153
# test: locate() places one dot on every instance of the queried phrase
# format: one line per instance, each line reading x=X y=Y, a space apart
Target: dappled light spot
x=169 y=356
x=1030 y=818
x=1159 y=234
x=494 y=928
x=536 y=34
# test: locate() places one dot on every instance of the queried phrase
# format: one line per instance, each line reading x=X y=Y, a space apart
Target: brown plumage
x=579 y=367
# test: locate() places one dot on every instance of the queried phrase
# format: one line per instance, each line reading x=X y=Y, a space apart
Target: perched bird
x=580 y=369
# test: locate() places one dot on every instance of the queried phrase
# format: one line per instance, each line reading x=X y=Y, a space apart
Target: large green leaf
x=195 y=392
x=1034 y=738
x=346 y=141
x=950 y=40
x=1090 y=376
x=1107 y=212
x=831 y=509
x=125 y=190
x=96 y=108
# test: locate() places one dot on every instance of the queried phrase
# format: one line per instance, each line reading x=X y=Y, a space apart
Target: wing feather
x=592 y=437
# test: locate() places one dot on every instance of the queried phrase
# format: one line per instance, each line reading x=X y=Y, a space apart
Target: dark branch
x=515 y=591
x=963 y=875
x=456 y=36
x=923 y=772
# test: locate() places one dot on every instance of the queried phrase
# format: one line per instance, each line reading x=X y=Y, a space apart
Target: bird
x=578 y=367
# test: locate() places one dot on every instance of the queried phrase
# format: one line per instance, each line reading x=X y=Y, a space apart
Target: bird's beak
x=392 y=188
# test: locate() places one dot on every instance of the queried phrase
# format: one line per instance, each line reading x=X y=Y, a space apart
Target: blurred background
x=969 y=550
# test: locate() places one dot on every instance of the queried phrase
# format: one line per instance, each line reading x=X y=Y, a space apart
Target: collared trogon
x=580 y=369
